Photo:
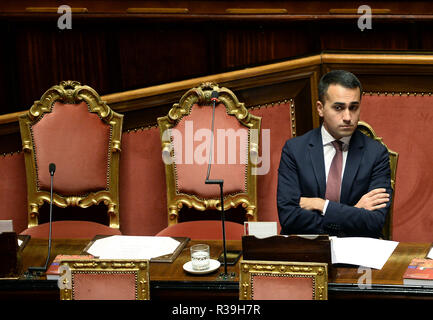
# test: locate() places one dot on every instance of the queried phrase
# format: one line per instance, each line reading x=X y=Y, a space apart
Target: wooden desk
x=385 y=283
x=170 y=281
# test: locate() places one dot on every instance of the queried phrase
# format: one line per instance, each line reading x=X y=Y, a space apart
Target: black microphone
x=52 y=169
x=214 y=96
x=214 y=99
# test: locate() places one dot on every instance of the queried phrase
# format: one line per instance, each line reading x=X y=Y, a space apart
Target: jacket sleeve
x=293 y=219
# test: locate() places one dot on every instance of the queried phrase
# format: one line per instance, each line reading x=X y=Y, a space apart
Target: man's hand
x=373 y=200
x=312 y=203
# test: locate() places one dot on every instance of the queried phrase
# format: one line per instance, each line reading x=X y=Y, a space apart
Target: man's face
x=341 y=110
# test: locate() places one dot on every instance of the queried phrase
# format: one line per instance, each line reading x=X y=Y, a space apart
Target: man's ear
x=319 y=107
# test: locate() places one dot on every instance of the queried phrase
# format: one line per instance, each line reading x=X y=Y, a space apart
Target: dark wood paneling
x=384 y=35
x=221 y=7
x=152 y=53
x=253 y=43
x=113 y=51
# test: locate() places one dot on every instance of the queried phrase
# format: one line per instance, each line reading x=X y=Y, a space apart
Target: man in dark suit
x=334 y=180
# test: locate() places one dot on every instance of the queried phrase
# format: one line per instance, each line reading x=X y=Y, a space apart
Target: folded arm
x=372 y=200
x=367 y=216
x=293 y=218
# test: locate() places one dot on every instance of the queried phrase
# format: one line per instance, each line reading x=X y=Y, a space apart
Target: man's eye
x=338 y=108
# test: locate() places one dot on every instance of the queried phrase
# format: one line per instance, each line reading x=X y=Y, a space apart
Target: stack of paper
x=366 y=252
x=133 y=247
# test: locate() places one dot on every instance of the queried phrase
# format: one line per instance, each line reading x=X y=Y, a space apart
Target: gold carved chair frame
x=72 y=92
x=201 y=95
x=366 y=129
x=251 y=268
x=69 y=268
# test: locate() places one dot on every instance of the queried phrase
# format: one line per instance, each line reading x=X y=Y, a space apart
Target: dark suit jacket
x=302 y=174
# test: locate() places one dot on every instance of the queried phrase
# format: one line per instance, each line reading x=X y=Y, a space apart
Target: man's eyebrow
x=343 y=104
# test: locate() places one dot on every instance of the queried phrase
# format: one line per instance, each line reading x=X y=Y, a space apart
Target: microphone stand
x=39 y=270
x=220 y=182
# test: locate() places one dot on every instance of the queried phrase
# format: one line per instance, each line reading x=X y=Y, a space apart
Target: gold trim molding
x=140 y=268
x=250 y=268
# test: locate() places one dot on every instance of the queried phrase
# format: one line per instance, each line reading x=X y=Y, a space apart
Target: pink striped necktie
x=333 y=185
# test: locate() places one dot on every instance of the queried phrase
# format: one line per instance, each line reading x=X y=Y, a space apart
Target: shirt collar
x=327 y=138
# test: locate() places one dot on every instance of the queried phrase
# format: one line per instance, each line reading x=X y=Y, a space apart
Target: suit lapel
x=354 y=156
x=317 y=159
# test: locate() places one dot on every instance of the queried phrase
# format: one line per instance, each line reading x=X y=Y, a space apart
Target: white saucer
x=213 y=265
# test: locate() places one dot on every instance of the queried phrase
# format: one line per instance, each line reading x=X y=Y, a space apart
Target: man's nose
x=347 y=116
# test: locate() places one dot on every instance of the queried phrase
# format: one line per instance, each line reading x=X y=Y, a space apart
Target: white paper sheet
x=260 y=229
x=430 y=254
x=132 y=247
x=366 y=252
x=6 y=226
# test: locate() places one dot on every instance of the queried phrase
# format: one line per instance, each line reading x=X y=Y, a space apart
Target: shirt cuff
x=325 y=207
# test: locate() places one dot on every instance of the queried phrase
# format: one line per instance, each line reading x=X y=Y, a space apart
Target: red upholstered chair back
x=277 y=126
x=366 y=129
x=186 y=138
x=404 y=123
x=13 y=196
x=77 y=142
x=71 y=127
x=104 y=280
x=230 y=153
x=143 y=194
x=279 y=280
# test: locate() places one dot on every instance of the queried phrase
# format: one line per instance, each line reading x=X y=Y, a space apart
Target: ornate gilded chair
x=96 y=279
x=186 y=139
x=71 y=127
x=366 y=129
x=281 y=280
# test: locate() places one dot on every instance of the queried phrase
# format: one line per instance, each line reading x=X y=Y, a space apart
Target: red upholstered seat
x=204 y=230
x=186 y=141
x=70 y=230
x=74 y=129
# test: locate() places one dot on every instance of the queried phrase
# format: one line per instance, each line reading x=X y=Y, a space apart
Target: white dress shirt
x=329 y=153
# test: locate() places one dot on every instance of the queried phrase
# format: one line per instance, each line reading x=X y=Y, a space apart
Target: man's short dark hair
x=344 y=78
